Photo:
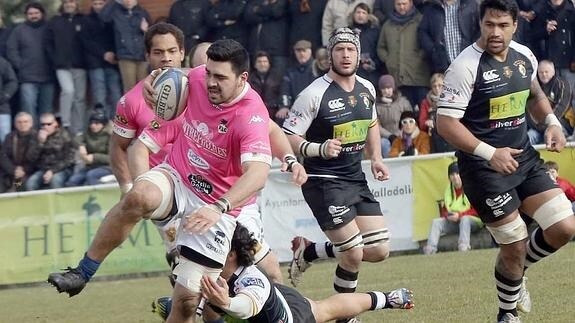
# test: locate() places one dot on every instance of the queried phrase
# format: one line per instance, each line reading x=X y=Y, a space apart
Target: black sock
x=309 y=253
x=345 y=281
x=508 y=293
x=537 y=248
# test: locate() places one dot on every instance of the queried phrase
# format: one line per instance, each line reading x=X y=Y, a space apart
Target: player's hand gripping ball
x=171 y=87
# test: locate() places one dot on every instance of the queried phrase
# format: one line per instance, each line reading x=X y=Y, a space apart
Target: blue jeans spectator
x=5 y=125
x=37 y=98
x=441 y=226
x=535 y=137
x=72 y=98
x=385 y=147
x=88 y=176
x=36 y=180
x=106 y=87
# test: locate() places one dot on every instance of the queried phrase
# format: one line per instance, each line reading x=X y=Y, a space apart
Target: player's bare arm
x=253 y=179
x=500 y=159
x=138 y=158
x=373 y=151
x=119 y=161
x=541 y=110
x=328 y=149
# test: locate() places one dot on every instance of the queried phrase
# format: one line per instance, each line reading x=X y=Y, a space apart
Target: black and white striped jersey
x=324 y=111
x=488 y=96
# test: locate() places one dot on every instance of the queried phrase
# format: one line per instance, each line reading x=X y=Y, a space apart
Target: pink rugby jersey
x=212 y=142
x=133 y=116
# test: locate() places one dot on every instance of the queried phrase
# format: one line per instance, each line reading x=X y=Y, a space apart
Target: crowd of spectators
x=62 y=67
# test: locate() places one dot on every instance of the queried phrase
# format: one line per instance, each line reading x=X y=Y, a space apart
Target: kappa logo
x=220 y=237
x=256 y=119
x=490 y=76
x=336 y=105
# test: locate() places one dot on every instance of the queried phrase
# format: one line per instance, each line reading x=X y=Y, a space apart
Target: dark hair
x=163 y=28
x=229 y=50
x=263 y=53
x=362 y=6
x=35 y=5
x=244 y=245
x=551 y=165
x=508 y=6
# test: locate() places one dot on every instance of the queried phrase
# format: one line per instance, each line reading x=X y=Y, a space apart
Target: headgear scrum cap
x=343 y=35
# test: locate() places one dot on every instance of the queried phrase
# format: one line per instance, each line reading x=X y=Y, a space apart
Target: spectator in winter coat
x=305 y=21
x=189 y=15
x=266 y=82
x=399 y=49
x=412 y=141
x=93 y=152
x=8 y=87
x=64 y=47
x=267 y=21
x=336 y=15
x=457 y=18
x=363 y=23
x=427 y=114
x=559 y=94
x=296 y=77
x=99 y=52
x=17 y=148
x=25 y=50
x=130 y=22
x=225 y=20
x=53 y=152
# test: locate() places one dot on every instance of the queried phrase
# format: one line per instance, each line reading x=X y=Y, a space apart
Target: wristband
x=223 y=205
x=313 y=149
x=124 y=188
x=290 y=160
x=551 y=120
x=484 y=151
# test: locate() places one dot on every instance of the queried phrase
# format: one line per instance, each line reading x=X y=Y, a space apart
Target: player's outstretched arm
x=282 y=150
x=138 y=158
x=119 y=161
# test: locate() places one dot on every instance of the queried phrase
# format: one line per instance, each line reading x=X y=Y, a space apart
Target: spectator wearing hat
x=267 y=21
x=399 y=48
x=93 y=152
x=456 y=215
x=266 y=82
x=412 y=141
x=390 y=105
x=296 y=78
x=26 y=52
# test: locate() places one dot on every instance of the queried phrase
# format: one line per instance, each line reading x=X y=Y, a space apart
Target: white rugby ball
x=171 y=87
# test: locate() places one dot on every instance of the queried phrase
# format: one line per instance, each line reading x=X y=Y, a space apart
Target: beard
x=339 y=72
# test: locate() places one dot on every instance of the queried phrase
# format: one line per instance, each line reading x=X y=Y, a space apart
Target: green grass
x=448 y=287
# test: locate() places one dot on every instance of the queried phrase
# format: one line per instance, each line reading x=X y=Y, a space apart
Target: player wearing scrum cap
x=331 y=123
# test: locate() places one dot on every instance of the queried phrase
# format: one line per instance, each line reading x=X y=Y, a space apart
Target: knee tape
x=354 y=242
x=189 y=274
x=160 y=179
x=509 y=233
x=553 y=211
x=375 y=238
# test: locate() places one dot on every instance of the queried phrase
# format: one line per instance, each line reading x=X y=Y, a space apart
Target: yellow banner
x=42 y=233
x=430 y=179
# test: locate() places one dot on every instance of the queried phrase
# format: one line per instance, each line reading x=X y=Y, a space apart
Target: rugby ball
x=171 y=87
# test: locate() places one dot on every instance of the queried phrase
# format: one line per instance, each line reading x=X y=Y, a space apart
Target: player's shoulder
x=524 y=51
x=367 y=84
x=470 y=57
x=197 y=73
x=317 y=88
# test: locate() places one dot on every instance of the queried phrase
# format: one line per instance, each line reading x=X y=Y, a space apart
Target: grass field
x=448 y=287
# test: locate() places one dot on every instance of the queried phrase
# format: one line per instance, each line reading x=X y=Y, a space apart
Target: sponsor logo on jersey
x=213 y=248
x=336 y=105
x=508 y=106
x=520 y=64
x=366 y=98
x=510 y=124
x=252 y=281
x=293 y=122
x=121 y=119
x=154 y=125
x=507 y=72
x=220 y=237
x=200 y=184
x=223 y=126
x=196 y=160
x=491 y=76
x=199 y=133
x=352 y=132
x=351 y=100
x=256 y=119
